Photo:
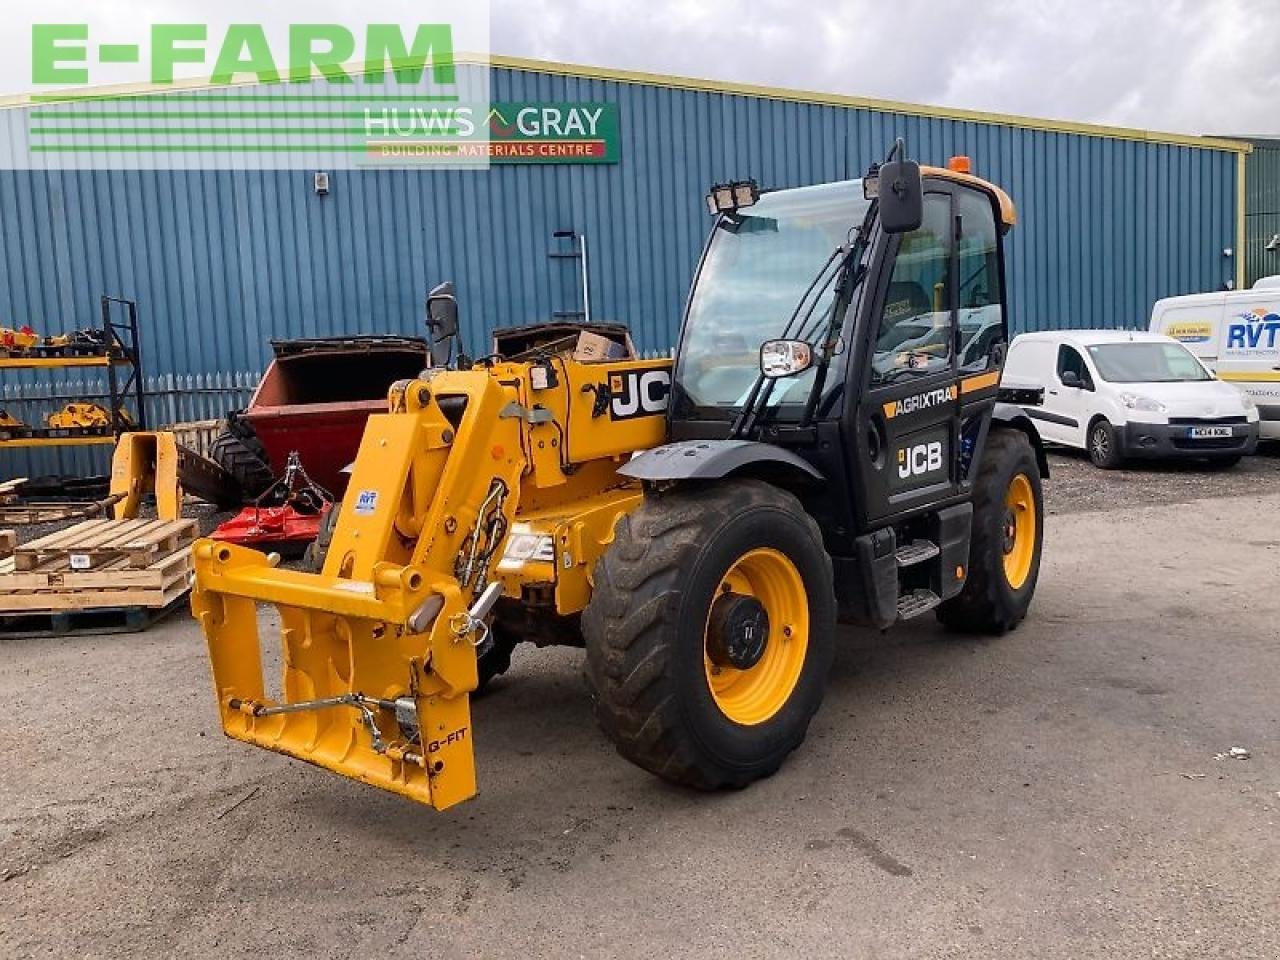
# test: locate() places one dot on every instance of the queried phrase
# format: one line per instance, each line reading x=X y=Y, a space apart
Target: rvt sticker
x=366 y=503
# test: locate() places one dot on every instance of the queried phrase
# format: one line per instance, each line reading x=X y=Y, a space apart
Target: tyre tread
x=632 y=616
x=982 y=606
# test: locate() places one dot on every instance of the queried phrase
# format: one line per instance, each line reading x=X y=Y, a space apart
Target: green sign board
x=554 y=133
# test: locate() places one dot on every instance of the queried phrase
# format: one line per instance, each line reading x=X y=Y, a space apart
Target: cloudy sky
x=1192 y=66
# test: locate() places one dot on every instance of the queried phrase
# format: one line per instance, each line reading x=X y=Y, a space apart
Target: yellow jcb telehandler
x=828 y=444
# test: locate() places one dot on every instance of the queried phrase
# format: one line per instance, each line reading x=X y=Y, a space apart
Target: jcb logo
x=639 y=393
x=920 y=459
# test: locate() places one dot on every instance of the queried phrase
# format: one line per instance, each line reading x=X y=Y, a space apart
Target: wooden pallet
x=95 y=620
x=100 y=565
x=33 y=513
x=95 y=543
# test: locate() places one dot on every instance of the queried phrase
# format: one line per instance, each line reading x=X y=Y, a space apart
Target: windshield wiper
x=844 y=294
x=762 y=387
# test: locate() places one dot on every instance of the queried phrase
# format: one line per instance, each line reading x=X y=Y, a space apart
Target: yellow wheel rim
x=1019 y=530
x=756 y=694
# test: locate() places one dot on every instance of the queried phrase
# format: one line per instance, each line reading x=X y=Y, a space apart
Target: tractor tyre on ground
x=318 y=549
x=496 y=660
x=1004 y=547
x=238 y=451
x=710 y=632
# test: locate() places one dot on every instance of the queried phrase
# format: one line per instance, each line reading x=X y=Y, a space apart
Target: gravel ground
x=1049 y=794
x=1077 y=486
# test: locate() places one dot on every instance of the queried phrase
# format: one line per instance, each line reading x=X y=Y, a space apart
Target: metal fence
x=170 y=400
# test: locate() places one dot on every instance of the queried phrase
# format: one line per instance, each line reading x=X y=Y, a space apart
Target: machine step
x=917 y=551
x=916 y=602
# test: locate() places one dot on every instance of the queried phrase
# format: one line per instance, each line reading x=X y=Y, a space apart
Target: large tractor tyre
x=318 y=549
x=710 y=633
x=244 y=459
x=496 y=660
x=1004 y=550
x=1104 y=445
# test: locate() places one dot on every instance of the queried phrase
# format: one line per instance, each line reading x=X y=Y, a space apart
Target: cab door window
x=981 y=321
x=915 y=334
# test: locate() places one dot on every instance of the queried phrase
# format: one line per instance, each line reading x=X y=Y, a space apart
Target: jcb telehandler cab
x=828 y=445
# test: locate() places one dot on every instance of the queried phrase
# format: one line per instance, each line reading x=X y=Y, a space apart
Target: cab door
x=934 y=337
x=907 y=418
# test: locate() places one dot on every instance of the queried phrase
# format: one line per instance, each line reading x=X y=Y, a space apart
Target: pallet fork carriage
x=697 y=525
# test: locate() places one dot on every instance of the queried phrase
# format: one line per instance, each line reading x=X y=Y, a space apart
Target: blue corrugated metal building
x=222 y=261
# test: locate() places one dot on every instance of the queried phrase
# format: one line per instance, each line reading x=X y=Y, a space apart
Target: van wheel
x=1104 y=449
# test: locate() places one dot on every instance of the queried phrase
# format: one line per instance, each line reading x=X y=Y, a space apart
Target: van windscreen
x=1146 y=363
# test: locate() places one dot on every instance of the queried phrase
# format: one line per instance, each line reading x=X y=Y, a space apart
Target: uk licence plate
x=1208 y=433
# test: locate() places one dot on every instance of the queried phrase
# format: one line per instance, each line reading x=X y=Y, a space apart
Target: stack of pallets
x=96 y=576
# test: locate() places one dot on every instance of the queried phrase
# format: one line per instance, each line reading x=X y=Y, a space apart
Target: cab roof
x=1008 y=212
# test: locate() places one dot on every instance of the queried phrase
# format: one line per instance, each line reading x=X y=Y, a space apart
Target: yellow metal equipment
x=462 y=460
x=146 y=462
x=82 y=416
x=154 y=462
x=693 y=524
x=23 y=338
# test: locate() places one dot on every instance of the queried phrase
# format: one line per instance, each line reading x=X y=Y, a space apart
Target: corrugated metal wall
x=1262 y=209
x=222 y=261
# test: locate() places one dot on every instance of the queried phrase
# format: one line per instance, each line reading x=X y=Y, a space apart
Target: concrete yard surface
x=1053 y=793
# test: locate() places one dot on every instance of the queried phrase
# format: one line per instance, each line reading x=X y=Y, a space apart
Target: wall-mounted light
x=321 y=183
x=1273 y=244
x=1228 y=252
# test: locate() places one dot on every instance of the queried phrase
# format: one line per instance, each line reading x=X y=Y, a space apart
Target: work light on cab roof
x=728 y=197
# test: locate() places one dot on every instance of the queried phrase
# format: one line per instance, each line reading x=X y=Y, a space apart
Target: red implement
x=282 y=529
x=317 y=394
x=286 y=518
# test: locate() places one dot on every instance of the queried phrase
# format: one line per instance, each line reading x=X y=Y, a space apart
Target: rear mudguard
x=1008 y=416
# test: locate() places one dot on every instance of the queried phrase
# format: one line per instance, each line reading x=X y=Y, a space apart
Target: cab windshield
x=1146 y=363
x=758 y=266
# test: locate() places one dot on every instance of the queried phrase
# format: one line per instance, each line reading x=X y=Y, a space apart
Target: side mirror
x=1070 y=378
x=784 y=358
x=442 y=322
x=901 y=195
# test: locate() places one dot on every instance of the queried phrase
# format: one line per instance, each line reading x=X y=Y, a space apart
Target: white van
x=1237 y=335
x=1119 y=394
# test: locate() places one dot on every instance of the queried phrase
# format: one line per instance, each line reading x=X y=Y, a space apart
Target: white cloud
x=1195 y=66
x=1211 y=66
